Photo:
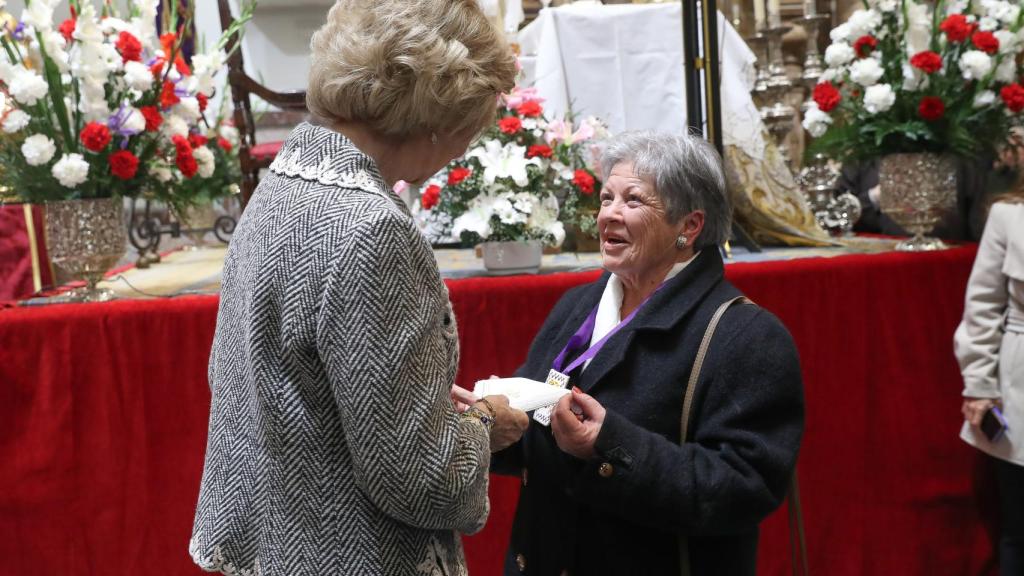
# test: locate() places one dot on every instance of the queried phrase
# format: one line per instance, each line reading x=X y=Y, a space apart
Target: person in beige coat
x=990 y=348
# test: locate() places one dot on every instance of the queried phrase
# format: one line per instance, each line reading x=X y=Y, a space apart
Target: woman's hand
x=974 y=409
x=576 y=422
x=509 y=423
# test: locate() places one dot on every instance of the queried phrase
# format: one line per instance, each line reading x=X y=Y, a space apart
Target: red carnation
x=123 y=164
x=931 y=108
x=1013 y=96
x=510 y=124
x=584 y=181
x=457 y=175
x=167 y=97
x=157 y=67
x=181 y=144
x=203 y=101
x=865 y=45
x=826 y=96
x=95 y=136
x=927 y=61
x=957 y=28
x=530 y=109
x=986 y=42
x=67 y=29
x=187 y=164
x=542 y=150
x=129 y=47
x=153 y=118
x=224 y=143
x=197 y=140
x=431 y=196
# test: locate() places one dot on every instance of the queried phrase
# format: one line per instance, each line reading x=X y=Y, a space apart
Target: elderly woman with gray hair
x=610 y=482
x=335 y=446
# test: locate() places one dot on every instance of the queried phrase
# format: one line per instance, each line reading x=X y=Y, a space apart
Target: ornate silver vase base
x=918 y=191
x=84 y=294
x=921 y=243
x=85 y=238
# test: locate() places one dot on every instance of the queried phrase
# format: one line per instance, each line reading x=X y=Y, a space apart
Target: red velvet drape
x=103 y=412
x=19 y=234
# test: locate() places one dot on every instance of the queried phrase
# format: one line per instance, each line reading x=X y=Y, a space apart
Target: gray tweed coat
x=333 y=445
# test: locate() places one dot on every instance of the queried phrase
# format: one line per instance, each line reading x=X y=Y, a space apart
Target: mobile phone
x=993 y=425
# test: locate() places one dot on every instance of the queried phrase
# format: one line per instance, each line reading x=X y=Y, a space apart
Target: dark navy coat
x=622 y=512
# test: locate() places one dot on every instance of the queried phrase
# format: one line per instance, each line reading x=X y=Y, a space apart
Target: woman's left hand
x=576 y=422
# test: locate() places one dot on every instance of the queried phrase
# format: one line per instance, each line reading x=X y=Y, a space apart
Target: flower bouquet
x=918 y=87
x=508 y=187
x=101 y=105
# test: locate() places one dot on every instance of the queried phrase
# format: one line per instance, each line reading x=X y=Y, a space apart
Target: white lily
x=508 y=161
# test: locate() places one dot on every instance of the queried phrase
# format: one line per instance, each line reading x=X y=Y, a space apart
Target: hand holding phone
x=993 y=425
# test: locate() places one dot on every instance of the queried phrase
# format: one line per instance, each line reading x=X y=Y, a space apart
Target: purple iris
x=19 y=32
x=117 y=122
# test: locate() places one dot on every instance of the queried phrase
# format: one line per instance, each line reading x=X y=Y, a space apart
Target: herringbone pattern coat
x=333 y=445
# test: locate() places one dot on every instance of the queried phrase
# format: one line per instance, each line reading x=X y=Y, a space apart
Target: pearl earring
x=681 y=241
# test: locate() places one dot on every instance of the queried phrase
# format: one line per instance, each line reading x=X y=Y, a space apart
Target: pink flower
x=520 y=96
x=561 y=131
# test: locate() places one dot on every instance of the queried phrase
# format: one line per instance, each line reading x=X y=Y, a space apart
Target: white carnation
x=815 y=121
x=841 y=33
x=839 y=54
x=27 y=87
x=829 y=75
x=864 y=22
x=956 y=7
x=1008 y=42
x=174 y=126
x=138 y=76
x=134 y=121
x=975 y=64
x=879 y=98
x=15 y=121
x=229 y=133
x=188 y=108
x=866 y=72
x=1001 y=10
x=205 y=160
x=988 y=24
x=71 y=170
x=161 y=173
x=1007 y=70
x=983 y=99
x=38 y=150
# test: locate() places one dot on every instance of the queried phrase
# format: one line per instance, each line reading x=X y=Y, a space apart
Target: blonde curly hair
x=408 y=67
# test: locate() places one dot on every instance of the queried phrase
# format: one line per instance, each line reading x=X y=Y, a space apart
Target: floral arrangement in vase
x=524 y=179
x=923 y=88
x=222 y=139
x=102 y=105
x=906 y=77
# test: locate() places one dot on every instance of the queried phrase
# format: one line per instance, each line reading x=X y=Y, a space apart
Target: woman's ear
x=692 y=225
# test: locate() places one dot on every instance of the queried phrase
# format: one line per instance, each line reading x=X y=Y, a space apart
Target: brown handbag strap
x=691 y=385
x=798 y=544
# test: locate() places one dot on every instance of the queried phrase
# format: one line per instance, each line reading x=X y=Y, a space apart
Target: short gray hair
x=687 y=175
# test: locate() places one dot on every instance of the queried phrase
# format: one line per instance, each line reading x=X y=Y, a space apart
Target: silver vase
x=85 y=238
x=918 y=190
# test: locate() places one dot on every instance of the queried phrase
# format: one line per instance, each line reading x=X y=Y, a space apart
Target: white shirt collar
x=608 y=311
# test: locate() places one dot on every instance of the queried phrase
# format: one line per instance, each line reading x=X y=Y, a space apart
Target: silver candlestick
x=759 y=45
x=813 y=64
x=776 y=112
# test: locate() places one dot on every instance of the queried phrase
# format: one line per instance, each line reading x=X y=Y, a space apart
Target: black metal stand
x=703 y=106
x=146 y=231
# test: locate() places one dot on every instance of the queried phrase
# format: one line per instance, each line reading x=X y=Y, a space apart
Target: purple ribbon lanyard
x=583 y=335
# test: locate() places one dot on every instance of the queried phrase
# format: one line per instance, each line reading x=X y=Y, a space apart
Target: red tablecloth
x=103 y=412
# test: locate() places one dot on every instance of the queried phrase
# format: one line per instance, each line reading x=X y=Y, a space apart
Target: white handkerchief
x=523 y=394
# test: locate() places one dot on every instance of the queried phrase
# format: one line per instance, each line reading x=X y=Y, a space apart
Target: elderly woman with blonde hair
x=335 y=446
